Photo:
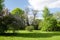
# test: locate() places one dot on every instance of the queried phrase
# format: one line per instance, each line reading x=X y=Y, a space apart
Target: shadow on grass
x=31 y=35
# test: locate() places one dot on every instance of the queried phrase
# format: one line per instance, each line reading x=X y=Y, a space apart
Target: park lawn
x=35 y=35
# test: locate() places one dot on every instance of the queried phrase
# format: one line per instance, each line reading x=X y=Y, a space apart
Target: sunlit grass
x=35 y=35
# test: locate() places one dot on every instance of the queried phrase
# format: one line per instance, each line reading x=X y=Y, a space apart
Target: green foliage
x=36 y=24
x=58 y=26
x=8 y=19
x=58 y=23
x=2 y=24
x=39 y=24
x=1 y=5
x=35 y=35
x=17 y=11
x=44 y=26
x=29 y=28
x=46 y=13
x=49 y=25
x=49 y=22
x=19 y=15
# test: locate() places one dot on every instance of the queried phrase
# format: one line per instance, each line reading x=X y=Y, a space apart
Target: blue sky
x=11 y=4
x=53 y=5
x=35 y=4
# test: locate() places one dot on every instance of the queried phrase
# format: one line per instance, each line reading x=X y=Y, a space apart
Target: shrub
x=29 y=28
x=39 y=25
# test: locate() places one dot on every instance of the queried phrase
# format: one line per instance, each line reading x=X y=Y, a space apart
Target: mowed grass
x=35 y=35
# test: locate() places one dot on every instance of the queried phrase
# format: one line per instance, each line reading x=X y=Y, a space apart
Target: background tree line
x=18 y=19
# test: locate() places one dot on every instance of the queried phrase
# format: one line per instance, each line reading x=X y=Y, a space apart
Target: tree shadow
x=31 y=35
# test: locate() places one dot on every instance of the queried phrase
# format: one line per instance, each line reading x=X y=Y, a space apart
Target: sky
x=11 y=4
x=53 y=5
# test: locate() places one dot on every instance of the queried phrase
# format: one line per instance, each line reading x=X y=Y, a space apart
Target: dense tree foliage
x=49 y=22
x=2 y=25
x=18 y=19
x=19 y=15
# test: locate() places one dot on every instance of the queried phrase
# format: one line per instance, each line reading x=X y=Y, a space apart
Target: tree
x=5 y=12
x=34 y=21
x=19 y=15
x=26 y=16
x=37 y=21
x=34 y=13
x=49 y=22
x=17 y=11
x=46 y=13
x=2 y=26
x=57 y=15
x=1 y=5
x=7 y=20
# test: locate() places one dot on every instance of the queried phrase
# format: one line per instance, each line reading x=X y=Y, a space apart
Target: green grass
x=35 y=35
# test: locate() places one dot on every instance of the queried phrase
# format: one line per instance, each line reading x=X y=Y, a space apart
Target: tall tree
x=34 y=15
x=49 y=22
x=19 y=15
x=26 y=16
x=46 y=13
x=57 y=16
x=1 y=6
x=1 y=17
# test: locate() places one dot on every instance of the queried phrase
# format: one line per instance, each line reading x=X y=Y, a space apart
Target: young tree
x=46 y=13
x=49 y=22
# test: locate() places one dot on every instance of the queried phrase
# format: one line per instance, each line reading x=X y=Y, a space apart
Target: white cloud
x=55 y=4
x=40 y=4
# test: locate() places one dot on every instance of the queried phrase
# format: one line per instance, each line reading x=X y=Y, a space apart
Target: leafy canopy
x=17 y=11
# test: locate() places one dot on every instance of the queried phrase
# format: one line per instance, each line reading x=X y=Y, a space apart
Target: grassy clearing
x=35 y=35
